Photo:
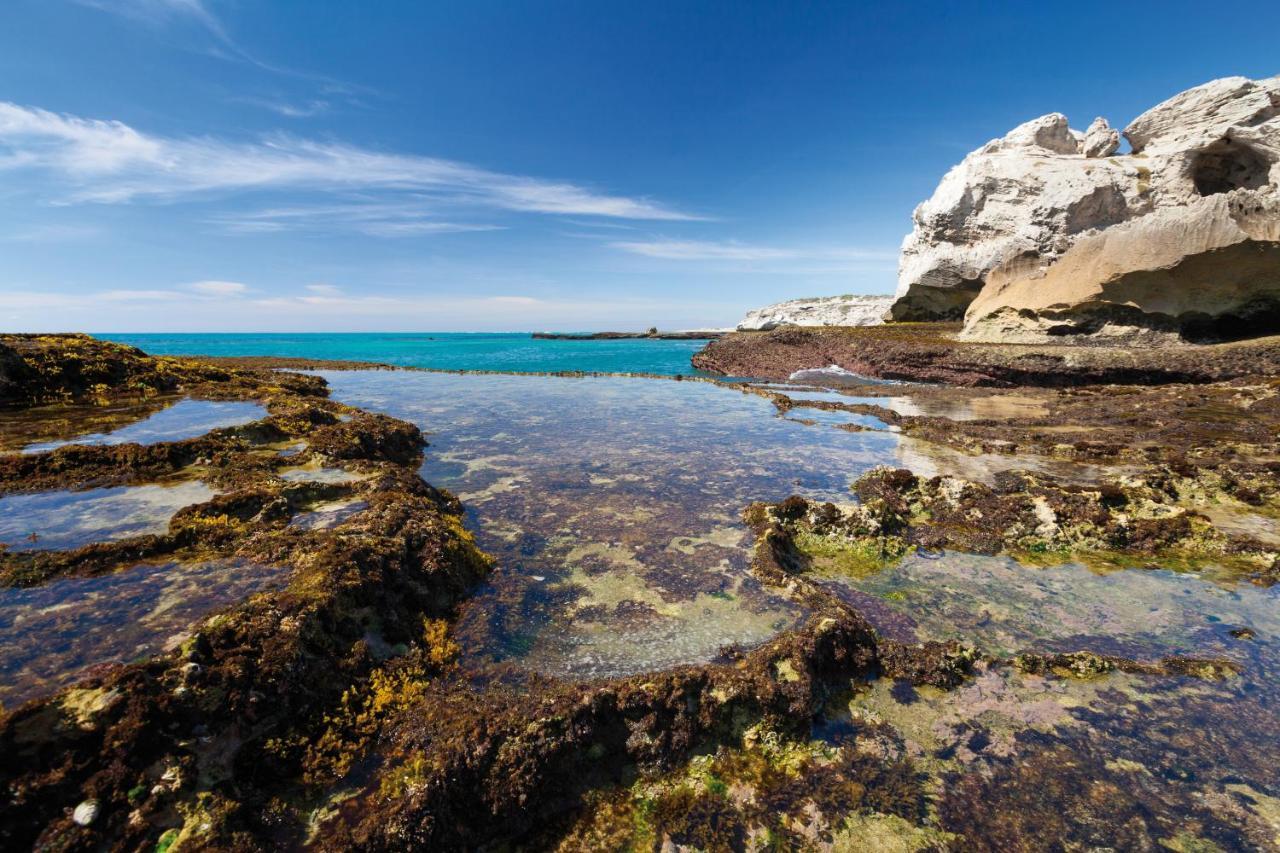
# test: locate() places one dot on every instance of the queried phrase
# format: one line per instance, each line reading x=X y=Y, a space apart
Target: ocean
x=508 y=352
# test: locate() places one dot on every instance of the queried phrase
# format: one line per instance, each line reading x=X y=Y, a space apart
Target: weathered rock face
x=1029 y=192
x=825 y=311
x=1100 y=140
x=1207 y=271
x=1016 y=207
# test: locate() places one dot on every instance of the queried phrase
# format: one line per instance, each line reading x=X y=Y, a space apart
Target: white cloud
x=111 y=162
x=225 y=289
x=704 y=250
x=325 y=289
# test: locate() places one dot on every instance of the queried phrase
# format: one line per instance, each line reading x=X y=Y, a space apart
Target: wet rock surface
x=344 y=707
x=931 y=352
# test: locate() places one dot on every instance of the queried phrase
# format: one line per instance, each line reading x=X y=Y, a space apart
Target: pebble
x=85 y=813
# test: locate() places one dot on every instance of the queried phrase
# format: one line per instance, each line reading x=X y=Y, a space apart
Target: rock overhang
x=1019 y=204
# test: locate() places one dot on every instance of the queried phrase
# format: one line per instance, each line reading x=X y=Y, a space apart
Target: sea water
x=513 y=352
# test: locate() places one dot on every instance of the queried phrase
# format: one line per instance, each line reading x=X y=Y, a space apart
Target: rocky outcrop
x=1206 y=271
x=930 y=352
x=1100 y=140
x=1029 y=192
x=1017 y=206
x=823 y=311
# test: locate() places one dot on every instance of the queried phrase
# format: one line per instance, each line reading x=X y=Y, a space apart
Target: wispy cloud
x=111 y=162
x=163 y=12
x=376 y=219
x=224 y=289
x=705 y=250
x=218 y=42
x=289 y=109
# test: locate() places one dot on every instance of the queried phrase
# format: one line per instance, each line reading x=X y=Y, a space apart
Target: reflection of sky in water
x=613 y=506
x=63 y=520
x=317 y=473
x=50 y=635
x=184 y=419
x=327 y=515
x=1004 y=607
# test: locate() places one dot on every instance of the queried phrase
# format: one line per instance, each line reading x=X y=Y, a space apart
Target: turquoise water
x=513 y=352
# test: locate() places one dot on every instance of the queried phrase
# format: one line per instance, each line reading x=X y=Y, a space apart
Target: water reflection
x=613 y=506
x=314 y=472
x=52 y=635
x=63 y=520
x=328 y=515
x=182 y=420
x=1004 y=607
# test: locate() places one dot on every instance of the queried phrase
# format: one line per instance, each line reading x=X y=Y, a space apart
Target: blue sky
x=248 y=165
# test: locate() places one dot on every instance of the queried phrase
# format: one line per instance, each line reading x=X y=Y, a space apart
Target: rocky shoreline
x=332 y=713
x=932 y=352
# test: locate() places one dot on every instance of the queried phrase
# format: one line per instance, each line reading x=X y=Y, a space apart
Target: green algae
x=771 y=792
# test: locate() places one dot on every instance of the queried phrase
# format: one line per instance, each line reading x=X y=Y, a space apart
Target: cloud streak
x=375 y=219
x=163 y=11
x=706 y=250
x=110 y=162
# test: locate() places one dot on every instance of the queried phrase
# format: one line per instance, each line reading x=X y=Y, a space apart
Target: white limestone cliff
x=1015 y=207
x=822 y=311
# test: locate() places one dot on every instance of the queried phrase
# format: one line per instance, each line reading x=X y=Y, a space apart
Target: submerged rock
x=823 y=311
x=1018 y=205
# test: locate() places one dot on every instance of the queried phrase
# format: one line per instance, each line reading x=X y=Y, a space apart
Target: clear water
x=613 y=506
x=328 y=515
x=1004 y=608
x=64 y=520
x=184 y=419
x=52 y=635
x=514 y=352
x=317 y=473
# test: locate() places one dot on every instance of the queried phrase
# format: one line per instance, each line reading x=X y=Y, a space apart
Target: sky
x=313 y=165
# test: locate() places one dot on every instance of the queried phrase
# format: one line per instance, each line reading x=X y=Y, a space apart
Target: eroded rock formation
x=1149 y=243
x=1206 y=271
